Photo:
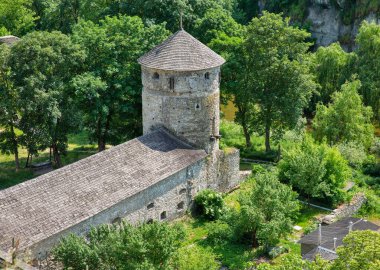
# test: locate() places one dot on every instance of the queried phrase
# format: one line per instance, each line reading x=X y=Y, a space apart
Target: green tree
x=147 y=246
x=110 y=88
x=332 y=67
x=360 y=250
x=42 y=65
x=295 y=262
x=279 y=79
x=16 y=16
x=266 y=212
x=316 y=171
x=346 y=119
x=235 y=78
x=368 y=41
x=8 y=109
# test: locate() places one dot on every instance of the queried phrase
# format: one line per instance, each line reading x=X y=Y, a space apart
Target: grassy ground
x=78 y=148
x=240 y=256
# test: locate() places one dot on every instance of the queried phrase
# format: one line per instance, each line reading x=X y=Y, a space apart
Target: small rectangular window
x=171 y=83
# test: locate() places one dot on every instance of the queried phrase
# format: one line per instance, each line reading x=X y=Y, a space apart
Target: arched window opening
x=156 y=76
x=163 y=215
x=149 y=221
x=182 y=191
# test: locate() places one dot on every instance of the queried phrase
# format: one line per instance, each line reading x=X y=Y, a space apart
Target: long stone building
x=152 y=177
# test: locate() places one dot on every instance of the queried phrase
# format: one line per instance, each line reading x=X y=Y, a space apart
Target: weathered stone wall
x=190 y=110
x=346 y=210
x=228 y=173
x=172 y=195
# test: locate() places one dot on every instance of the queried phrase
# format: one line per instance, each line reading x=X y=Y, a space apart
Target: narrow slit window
x=156 y=76
x=182 y=191
x=163 y=215
x=171 y=83
x=150 y=206
x=207 y=75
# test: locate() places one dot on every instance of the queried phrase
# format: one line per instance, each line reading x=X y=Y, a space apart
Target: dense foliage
x=316 y=171
x=345 y=119
x=266 y=211
x=209 y=204
x=147 y=246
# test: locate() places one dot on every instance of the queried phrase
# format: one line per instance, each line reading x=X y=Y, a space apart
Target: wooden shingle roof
x=181 y=52
x=44 y=206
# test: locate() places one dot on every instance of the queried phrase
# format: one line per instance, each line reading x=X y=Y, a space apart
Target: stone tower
x=180 y=80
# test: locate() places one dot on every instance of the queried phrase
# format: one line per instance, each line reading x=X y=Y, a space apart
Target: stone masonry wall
x=190 y=110
x=346 y=210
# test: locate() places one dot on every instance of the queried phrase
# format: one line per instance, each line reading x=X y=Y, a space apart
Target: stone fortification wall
x=346 y=210
x=190 y=110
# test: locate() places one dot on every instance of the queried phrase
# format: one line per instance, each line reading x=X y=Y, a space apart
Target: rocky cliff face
x=327 y=25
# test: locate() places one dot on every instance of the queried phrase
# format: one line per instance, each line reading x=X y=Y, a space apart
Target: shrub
x=209 y=204
x=219 y=232
x=316 y=171
x=371 y=166
x=354 y=153
x=277 y=251
x=195 y=258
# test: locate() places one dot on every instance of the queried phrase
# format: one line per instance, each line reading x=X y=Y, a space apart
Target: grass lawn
x=79 y=148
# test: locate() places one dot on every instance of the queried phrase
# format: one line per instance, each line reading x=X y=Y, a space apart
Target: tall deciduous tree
x=110 y=90
x=235 y=78
x=346 y=119
x=17 y=16
x=332 y=67
x=42 y=65
x=8 y=108
x=267 y=211
x=368 y=41
x=280 y=82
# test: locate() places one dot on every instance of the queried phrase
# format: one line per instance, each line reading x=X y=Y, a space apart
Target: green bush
x=354 y=153
x=196 y=258
x=316 y=171
x=371 y=166
x=209 y=204
x=277 y=251
x=219 y=232
x=371 y=206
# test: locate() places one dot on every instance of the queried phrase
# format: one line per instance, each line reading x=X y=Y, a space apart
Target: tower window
x=171 y=83
x=197 y=106
x=150 y=206
x=181 y=205
x=163 y=215
x=207 y=75
x=149 y=221
x=219 y=77
x=156 y=76
x=182 y=191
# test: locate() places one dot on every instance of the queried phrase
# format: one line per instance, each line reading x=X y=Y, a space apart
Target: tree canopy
x=316 y=171
x=279 y=81
x=266 y=211
x=345 y=119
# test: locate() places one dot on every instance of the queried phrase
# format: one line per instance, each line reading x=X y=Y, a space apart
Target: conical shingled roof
x=181 y=52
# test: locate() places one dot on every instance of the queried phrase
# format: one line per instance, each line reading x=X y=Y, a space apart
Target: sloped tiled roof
x=337 y=229
x=9 y=40
x=181 y=52
x=44 y=206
